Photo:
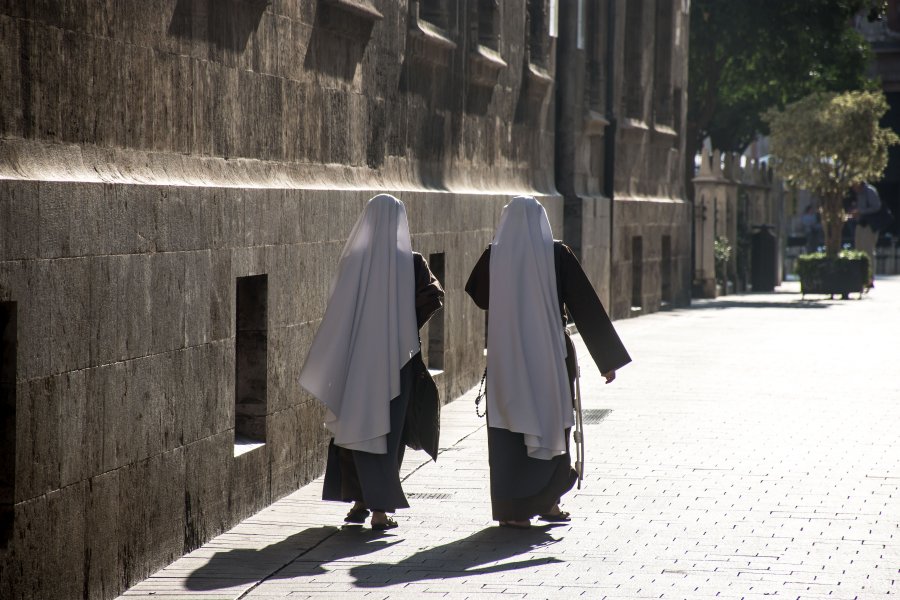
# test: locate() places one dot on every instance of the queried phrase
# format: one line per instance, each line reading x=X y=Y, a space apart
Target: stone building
x=177 y=179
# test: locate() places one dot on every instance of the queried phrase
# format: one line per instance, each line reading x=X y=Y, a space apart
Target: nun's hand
x=610 y=376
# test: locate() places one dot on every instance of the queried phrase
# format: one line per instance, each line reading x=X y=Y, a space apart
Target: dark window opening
x=8 y=351
x=634 y=34
x=435 y=12
x=662 y=77
x=538 y=32
x=595 y=55
x=676 y=113
x=251 y=367
x=435 y=351
x=665 y=266
x=637 y=272
x=489 y=24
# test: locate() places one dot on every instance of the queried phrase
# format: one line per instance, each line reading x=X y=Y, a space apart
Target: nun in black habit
x=365 y=359
x=536 y=284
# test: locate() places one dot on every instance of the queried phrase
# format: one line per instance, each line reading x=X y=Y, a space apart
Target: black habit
x=374 y=479
x=522 y=486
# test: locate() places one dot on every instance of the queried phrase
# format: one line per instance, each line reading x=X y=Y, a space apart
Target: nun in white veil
x=360 y=363
x=537 y=284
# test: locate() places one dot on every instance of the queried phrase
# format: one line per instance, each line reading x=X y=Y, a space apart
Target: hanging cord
x=578 y=436
x=480 y=396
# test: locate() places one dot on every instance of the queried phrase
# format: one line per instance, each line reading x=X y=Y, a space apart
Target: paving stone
x=751 y=470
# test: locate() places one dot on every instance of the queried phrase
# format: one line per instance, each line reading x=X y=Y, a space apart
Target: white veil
x=369 y=329
x=527 y=383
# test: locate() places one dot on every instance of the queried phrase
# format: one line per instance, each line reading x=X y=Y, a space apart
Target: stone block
x=105 y=391
x=250 y=490
x=289 y=227
x=212 y=216
x=135 y=307
x=46 y=75
x=25 y=282
x=19 y=220
x=102 y=564
x=165 y=508
x=294 y=132
x=55 y=225
x=167 y=277
x=198 y=293
x=80 y=427
x=285 y=361
x=37 y=439
x=140 y=104
x=201 y=108
x=133 y=228
x=207 y=471
x=151 y=515
x=12 y=115
x=221 y=296
x=106 y=343
x=200 y=391
x=48 y=539
x=285 y=450
x=313 y=441
x=70 y=314
x=233 y=230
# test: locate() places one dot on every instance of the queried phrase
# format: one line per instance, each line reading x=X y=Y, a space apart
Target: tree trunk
x=832 y=224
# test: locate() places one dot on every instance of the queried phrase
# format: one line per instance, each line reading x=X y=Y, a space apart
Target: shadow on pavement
x=460 y=558
x=745 y=302
x=241 y=566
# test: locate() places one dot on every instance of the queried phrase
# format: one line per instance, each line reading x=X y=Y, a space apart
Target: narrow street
x=751 y=450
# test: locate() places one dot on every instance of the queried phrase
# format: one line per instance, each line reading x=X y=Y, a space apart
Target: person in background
x=812 y=228
x=866 y=207
x=362 y=362
x=530 y=283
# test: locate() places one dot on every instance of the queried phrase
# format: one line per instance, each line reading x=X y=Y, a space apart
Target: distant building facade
x=177 y=180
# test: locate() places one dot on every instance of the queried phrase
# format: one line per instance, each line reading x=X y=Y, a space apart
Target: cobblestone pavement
x=750 y=451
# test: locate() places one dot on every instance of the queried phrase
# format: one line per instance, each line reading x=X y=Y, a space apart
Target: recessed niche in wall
x=485 y=61
x=662 y=71
x=436 y=324
x=8 y=343
x=250 y=364
x=637 y=272
x=633 y=64
x=665 y=267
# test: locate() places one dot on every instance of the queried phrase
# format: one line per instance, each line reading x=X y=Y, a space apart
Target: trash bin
x=763 y=265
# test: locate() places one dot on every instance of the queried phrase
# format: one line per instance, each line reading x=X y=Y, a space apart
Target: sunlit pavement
x=751 y=450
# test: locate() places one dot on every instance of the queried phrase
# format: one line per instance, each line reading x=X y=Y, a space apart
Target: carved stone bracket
x=485 y=65
x=429 y=42
x=360 y=8
x=537 y=81
x=595 y=123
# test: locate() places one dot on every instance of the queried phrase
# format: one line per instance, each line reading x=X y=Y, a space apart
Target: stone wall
x=622 y=80
x=158 y=157
x=161 y=162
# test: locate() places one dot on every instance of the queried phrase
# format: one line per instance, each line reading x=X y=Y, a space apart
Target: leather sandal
x=559 y=517
x=357 y=515
x=388 y=523
x=516 y=524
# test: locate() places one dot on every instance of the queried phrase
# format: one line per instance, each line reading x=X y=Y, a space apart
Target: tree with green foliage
x=826 y=142
x=748 y=56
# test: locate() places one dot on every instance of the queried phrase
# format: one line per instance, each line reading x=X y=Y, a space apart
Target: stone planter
x=842 y=275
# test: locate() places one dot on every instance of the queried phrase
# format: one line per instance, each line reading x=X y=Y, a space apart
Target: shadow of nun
x=462 y=558
x=240 y=566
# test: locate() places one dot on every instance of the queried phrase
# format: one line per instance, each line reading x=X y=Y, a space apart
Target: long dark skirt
x=521 y=486
x=374 y=479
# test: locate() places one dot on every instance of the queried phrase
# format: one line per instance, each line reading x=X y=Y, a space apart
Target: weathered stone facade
x=177 y=179
x=622 y=84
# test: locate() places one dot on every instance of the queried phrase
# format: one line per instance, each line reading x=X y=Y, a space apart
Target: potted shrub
x=824 y=143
